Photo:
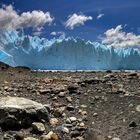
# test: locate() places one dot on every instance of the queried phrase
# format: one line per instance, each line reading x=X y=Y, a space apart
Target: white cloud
x=53 y=33
x=37 y=33
x=100 y=16
x=115 y=37
x=57 y=33
x=76 y=20
x=11 y=20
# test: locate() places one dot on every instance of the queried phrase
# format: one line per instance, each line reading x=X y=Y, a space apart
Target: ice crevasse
x=17 y=49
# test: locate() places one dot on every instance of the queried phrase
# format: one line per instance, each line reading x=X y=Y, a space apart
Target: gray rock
x=67 y=125
x=30 y=138
x=73 y=89
x=62 y=129
x=69 y=99
x=61 y=94
x=38 y=127
x=133 y=124
x=115 y=138
x=138 y=108
x=8 y=137
x=70 y=108
x=50 y=136
x=19 y=136
x=16 y=112
x=75 y=133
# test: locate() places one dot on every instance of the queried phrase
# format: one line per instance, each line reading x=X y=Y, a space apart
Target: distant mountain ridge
x=3 y=66
x=64 y=53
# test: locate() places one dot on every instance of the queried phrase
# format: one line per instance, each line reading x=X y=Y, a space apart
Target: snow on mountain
x=17 y=49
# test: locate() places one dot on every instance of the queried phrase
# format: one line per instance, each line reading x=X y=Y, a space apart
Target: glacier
x=18 y=49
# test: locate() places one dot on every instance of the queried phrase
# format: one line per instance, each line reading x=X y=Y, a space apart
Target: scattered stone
x=118 y=91
x=61 y=94
x=54 y=136
x=115 y=138
x=65 y=130
x=73 y=119
x=95 y=114
x=75 y=133
x=133 y=124
x=6 y=88
x=108 y=71
x=14 y=109
x=5 y=82
x=70 y=108
x=62 y=129
x=73 y=89
x=53 y=121
x=95 y=80
x=81 y=124
x=68 y=125
x=83 y=106
x=109 y=76
x=8 y=136
x=47 y=80
x=30 y=138
x=48 y=107
x=79 y=128
x=80 y=138
x=83 y=113
x=109 y=137
x=50 y=136
x=45 y=137
x=19 y=136
x=38 y=127
x=44 y=91
x=138 y=108
x=58 y=112
x=133 y=74
x=69 y=99
x=84 y=118
x=55 y=98
x=138 y=132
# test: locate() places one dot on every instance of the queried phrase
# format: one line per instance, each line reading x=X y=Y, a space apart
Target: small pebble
x=138 y=108
x=53 y=121
x=73 y=119
x=115 y=138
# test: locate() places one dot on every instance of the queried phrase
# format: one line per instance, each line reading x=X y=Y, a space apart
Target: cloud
x=11 y=20
x=76 y=20
x=115 y=37
x=53 y=33
x=37 y=33
x=57 y=33
x=100 y=16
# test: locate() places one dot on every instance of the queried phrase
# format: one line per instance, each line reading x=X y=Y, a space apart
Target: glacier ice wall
x=17 y=49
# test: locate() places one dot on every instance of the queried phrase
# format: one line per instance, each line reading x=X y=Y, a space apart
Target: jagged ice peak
x=17 y=49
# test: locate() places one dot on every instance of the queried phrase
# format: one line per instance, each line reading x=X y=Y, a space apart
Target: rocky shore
x=69 y=105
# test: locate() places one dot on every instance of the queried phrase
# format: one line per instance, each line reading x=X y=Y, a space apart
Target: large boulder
x=17 y=113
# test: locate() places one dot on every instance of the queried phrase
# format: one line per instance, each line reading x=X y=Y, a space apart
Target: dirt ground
x=107 y=101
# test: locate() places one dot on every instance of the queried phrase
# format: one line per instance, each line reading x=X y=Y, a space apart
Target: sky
x=109 y=21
